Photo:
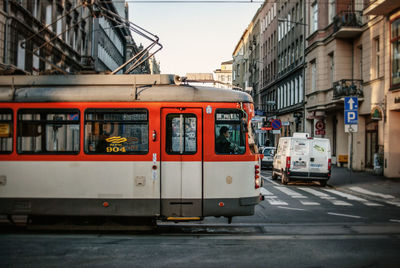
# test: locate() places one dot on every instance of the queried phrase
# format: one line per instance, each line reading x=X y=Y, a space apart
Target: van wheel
x=274 y=176
x=323 y=183
x=284 y=178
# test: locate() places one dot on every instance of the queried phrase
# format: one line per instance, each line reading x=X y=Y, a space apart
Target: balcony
x=347 y=24
x=381 y=7
x=346 y=88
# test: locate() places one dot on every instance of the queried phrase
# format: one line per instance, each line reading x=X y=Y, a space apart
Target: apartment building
x=351 y=51
x=240 y=64
x=268 y=71
x=384 y=44
x=48 y=36
x=224 y=75
x=290 y=65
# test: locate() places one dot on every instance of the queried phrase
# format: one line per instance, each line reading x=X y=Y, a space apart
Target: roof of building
x=227 y=62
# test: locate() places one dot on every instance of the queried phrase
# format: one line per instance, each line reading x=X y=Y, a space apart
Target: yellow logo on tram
x=116 y=139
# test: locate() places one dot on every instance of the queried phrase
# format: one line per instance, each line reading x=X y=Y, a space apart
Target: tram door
x=181 y=162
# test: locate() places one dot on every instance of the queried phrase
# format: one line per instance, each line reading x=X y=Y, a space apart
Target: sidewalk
x=344 y=179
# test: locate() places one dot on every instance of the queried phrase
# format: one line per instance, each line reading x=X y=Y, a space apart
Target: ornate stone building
x=48 y=36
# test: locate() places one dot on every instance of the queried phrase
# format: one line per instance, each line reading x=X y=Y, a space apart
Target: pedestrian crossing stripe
x=353 y=197
x=324 y=194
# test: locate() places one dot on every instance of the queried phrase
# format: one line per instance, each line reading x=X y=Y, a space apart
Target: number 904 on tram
x=125 y=145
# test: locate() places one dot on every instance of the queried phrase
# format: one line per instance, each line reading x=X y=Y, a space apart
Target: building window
x=301 y=88
x=314 y=17
x=377 y=57
x=331 y=10
x=21 y=54
x=279 y=97
x=292 y=93
x=313 y=76
x=35 y=8
x=49 y=13
x=285 y=96
x=360 y=61
x=331 y=71
x=395 y=51
x=35 y=62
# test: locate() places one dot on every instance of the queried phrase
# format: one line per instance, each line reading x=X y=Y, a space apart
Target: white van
x=302 y=158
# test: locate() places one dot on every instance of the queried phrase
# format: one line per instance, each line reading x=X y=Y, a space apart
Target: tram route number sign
x=276 y=124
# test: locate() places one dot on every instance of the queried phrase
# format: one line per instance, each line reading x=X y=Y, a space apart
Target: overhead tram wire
x=192 y=2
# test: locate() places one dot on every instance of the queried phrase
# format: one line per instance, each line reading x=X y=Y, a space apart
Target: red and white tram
x=124 y=145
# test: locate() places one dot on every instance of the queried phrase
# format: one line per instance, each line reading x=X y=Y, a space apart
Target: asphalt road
x=297 y=225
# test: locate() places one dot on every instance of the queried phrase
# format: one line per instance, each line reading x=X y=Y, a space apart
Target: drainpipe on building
x=6 y=32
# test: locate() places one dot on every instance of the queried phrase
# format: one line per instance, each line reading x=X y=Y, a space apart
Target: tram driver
x=223 y=145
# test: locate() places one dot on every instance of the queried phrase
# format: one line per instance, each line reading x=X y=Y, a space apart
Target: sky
x=196 y=38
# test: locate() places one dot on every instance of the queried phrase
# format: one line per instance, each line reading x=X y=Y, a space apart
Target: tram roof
x=95 y=88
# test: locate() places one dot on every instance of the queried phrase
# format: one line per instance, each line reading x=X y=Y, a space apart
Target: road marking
x=270 y=180
x=316 y=193
x=292 y=208
x=367 y=192
x=309 y=203
x=274 y=201
x=354 y=198
x=397 y=204
x=325 y=196
x=265 y=191
x=344 y=215
x=289 y=192
x=393 y=220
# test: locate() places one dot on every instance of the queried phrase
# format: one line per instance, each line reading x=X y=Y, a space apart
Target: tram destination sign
x=228 y=116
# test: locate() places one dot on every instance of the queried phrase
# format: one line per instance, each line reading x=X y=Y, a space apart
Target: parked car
x=268 y=157
x=302 y=158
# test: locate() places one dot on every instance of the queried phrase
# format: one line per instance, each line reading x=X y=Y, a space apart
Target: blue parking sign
x=350 y=117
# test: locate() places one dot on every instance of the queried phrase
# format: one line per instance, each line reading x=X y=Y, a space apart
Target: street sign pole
x=351 y=155
x=351 y=123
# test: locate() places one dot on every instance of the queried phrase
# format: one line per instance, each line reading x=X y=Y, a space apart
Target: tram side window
x=116 y=131
x=6 y=131
x=53 y=131
x=181 y=134
x=229 y=132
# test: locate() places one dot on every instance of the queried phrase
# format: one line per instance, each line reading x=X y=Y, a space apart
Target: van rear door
x=319 y=154
x=300 y=155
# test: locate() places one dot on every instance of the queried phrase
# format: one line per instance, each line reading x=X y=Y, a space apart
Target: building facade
x=240 y=61
x=48 y=36
x=224 y=75
x=290 y=65
x=350 y=53
x=385 y=49
x=267 y=93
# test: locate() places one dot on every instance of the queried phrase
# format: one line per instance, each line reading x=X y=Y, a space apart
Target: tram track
x=214 y=229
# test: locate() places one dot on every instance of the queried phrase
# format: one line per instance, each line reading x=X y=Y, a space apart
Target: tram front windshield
x=229 y=132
